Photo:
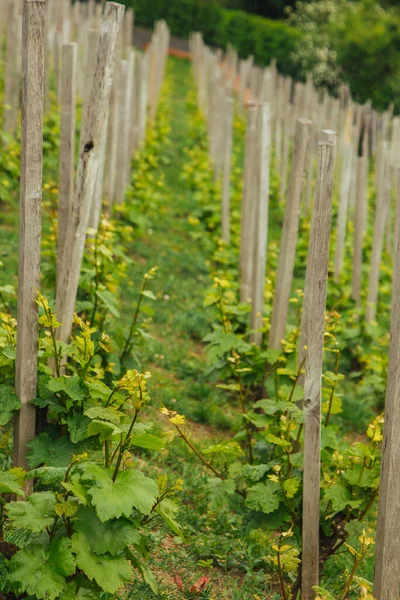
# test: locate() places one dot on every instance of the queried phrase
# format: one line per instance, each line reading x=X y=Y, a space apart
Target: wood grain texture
x=261 y=208
x=30 y=224
x=287 y=253
x=387 y=564
x=382 y=207
x=247 y=215
x=228 y=115
x=89 y=157
x=314 y=312
x=67 y=141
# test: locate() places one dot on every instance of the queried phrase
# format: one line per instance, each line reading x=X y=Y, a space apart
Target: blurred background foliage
x=356 y=41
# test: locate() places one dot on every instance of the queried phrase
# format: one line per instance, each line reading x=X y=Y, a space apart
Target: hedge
x=249 y=34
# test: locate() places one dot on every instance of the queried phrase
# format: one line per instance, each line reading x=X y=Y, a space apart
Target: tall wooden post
x=226 y=183
x=30 y=223
x=290 y=229
x=89 y=157
x=261 y=221
x=67 y=140
x=314 y=313
x=387 y=564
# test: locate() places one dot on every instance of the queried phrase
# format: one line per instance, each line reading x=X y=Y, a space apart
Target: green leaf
x=78 y=427
x=220 y=491
x=291 y=486
x=270 y=407
x=98 y=390
x=109 y=572
x=35 y=514
x=52 y=453
x=254 y=472
x=105 y=414
x=9 y=484
x=277 y=441
x=263 y=496
x=113 y=536
x=340 y=497
x=104 y=429
x=110 y=302
x=149 y=294
x=9 y=402
x=70 y=385
x=167 y=510
x=130 y=490
x=42 y=571
x=48 y=475
x=145 y=572
x=148 y=441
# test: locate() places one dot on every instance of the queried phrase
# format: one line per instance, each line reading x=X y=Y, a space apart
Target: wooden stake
x=247 y=220
x=290 y=229
x=387 y=565
x=89 y=157
x=67 y=141
x=30 y=224
x=314 y=313
x=226 y=184
x=382 y=207
x=261 y=222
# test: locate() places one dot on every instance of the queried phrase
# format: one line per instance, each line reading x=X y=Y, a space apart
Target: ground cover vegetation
x=171 y=460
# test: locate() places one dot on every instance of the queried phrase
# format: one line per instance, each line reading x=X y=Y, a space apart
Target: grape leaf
x=9 y=484
x=106 y=414
x=291 y=486
x=130 y=490
x=9 y=402
x=109 y=572
x=70 y=385
x=35 y=514
x=52 y=453
x=340 y=497
x=112 y=536
x=151 y=442
x=41 y=571
x=78 y=427
x=263 y=496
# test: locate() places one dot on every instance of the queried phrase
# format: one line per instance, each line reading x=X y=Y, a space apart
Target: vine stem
x=203 y=460
x=126 y=349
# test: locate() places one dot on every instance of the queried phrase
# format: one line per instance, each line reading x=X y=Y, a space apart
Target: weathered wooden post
x=387 y=564
x=67 y=141
x=344 y=194
x=360 y=213
x=247 y=215
x=226 y=183
x=89 y=156
x=290 y=229
x=262 y=167
x=314 y=313
x=30 y=224
x=382 y=207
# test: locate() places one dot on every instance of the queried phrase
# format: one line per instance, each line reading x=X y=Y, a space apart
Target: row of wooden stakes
x=334 y=142
x=92 y=61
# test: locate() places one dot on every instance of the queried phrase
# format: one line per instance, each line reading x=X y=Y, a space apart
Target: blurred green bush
x=249 y=34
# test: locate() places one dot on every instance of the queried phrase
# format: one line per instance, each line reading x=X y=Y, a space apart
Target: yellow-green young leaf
x=40 y=571
x=10 y=484
x=336 y=405
x=270 y=437
x=289 y=559
x=291 y=486
x=110 y=573
x=69 y=508
x=233 y=387
x=103 y=429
